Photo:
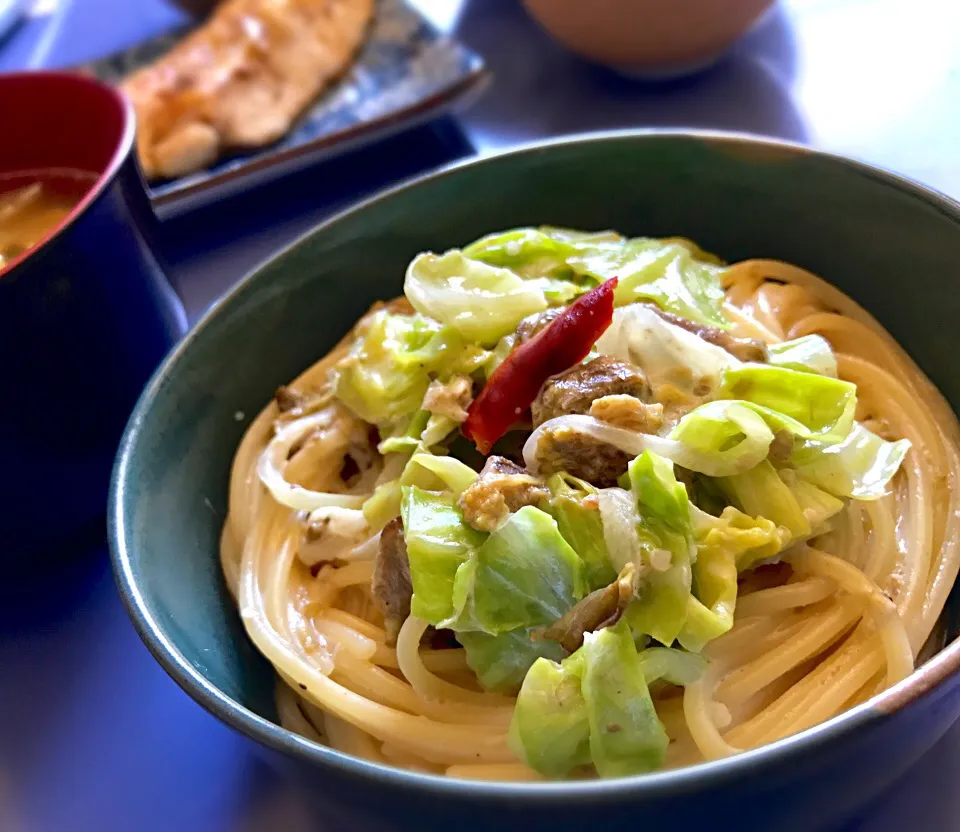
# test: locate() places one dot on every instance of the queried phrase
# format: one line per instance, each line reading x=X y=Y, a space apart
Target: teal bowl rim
x=922 y=682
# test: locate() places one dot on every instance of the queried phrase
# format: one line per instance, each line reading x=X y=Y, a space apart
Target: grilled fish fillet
x=241 y=79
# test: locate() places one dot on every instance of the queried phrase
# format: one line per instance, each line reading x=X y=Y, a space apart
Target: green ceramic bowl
x=891 y=244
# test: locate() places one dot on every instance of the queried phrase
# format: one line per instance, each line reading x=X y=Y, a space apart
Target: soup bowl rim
x=925 y=680
x=123 y=145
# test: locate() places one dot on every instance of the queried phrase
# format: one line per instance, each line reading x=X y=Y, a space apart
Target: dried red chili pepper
x=515 y=383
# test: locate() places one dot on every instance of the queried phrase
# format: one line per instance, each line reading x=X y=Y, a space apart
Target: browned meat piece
x=574 y=390
x=451 y=399
x=537 y=322
x=746 y=349
x=599 y=609
x=288 y=398
x=503 y=487
x=293 y=403
x=628 y=412
x=240 y=79
x=565 y=449
x=391 y=585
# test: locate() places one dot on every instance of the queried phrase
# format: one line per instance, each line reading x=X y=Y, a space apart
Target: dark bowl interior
x=888 y=243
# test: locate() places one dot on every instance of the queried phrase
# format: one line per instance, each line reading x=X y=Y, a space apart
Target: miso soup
x=29 y=212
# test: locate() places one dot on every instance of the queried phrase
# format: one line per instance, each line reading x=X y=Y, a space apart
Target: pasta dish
x=580 y=505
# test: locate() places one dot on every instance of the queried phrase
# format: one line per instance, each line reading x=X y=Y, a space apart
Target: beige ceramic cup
x=648 y=38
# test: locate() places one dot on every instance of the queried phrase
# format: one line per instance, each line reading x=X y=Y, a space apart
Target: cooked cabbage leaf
x=762 y=492
x=824 y=406
x=501 y=662
x=438 y=473
x=383 y=505
x=420 y=433
x=482 y=303
x=666 y=543
x=575 y=506
x=550 y=730
x=732 y=435
x=677 y=667
x=388 y=369
x=721 y=438
x=725 y=544
x=626 y=737
x=412 y=448
x=523 y=574
x=809 y=354
x=594 y=707
x=748 y=540
x=860 y=467
x=669 y=272
x=438 y=544
x=536 y=253
x=817 y=505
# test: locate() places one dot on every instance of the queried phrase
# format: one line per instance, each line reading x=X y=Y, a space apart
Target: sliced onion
x=744 y=455
x=626 y=440
x=273 y=461
x=721 y=438
x=618 y=512
x=346 y=537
